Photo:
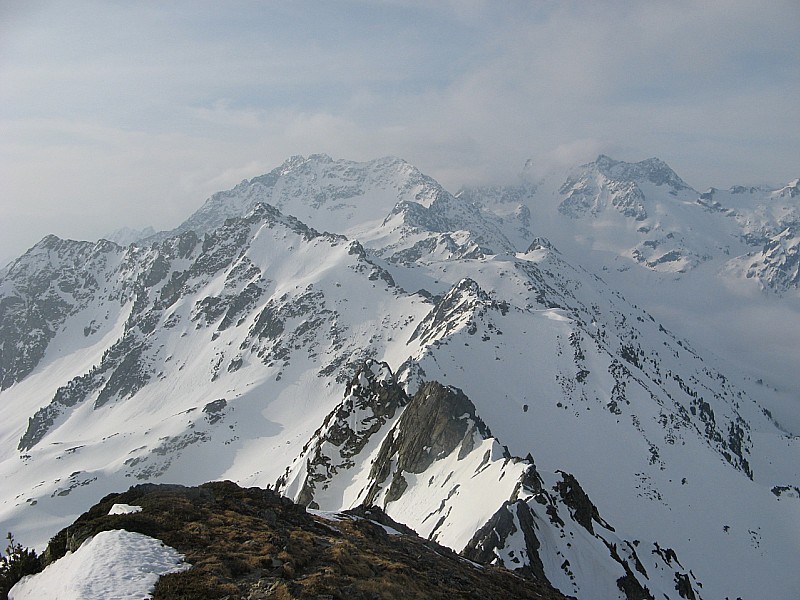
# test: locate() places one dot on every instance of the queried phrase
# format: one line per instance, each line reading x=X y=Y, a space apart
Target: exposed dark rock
x=492 y=537
x=582 y=509
x=629 y=584
x=42 y=289
x=684 y=586
x=215 y=410
x=791 y=491
x=372 y=397
x=632 y=589
x=436 y=421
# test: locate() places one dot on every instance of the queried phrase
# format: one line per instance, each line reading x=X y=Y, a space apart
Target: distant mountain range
x=542 y=375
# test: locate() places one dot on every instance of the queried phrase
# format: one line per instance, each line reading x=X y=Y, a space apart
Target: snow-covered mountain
x=474 y=364
x=719 y=267
x=647 y=214
x=126 y=235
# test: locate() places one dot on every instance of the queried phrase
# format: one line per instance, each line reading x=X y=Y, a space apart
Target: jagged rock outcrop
x=372 y=398
x=490 y=540
x=428 y=468
x=437 y=421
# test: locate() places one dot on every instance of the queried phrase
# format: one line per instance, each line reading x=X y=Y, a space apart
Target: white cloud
x=119 y=113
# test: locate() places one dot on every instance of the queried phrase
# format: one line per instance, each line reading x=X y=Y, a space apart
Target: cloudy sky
x=132 y=113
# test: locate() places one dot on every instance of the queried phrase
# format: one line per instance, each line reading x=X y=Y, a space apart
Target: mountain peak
x=327 y=193
x=653 y=169
x=325 y=161
x=292 y=162
x=791 y=189
x=604 y=161
x=125 y=236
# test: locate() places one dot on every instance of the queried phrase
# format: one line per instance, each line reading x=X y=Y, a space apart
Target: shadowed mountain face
x=354 y=334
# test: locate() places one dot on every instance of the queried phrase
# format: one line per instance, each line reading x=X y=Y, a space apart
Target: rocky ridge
x=252 y=543
x=414 y=469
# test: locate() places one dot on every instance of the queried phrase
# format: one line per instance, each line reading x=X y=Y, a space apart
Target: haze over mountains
x=588 y=377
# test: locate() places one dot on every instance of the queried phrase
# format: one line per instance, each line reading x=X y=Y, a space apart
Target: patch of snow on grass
x=124 y=509
x=113 y=564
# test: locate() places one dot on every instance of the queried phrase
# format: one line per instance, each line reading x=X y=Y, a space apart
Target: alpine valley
x=587 y=377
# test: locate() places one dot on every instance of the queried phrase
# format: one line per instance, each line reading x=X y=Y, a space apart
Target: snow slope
x=113 y=564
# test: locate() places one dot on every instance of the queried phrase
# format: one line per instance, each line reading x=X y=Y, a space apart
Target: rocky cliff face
x=777 y=265
x=372 y=399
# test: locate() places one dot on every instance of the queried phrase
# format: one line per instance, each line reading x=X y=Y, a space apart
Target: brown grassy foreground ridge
x=252 y=544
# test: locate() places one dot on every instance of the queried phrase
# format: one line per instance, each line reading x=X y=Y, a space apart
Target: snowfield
x=113 y=565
